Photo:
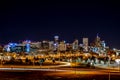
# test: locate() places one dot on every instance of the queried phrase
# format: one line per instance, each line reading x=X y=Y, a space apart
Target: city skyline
x=42 y=20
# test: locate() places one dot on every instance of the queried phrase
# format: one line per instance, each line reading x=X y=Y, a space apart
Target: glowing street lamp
x=118 y=62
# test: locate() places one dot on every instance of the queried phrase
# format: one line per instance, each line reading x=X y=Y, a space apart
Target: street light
x=118 y=62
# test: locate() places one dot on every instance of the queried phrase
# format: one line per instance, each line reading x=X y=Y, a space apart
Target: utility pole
x=109 y=67
x=119 y=66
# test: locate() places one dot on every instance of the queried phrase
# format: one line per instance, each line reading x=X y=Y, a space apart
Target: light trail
x=30 y=69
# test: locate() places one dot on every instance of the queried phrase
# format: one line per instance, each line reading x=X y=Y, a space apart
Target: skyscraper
x=97 y=41
x=51 y=45
x=85 y=44
x=62 y=46
x=75 y=45
x=56 y=38
x=56 y=44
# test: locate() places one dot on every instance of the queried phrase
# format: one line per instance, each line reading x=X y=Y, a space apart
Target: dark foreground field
x=45 y=75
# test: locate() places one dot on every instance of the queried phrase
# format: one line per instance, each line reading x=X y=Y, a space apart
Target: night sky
x=38 y=21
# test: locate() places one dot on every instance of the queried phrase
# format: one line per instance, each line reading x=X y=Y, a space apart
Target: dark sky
x=70 y=20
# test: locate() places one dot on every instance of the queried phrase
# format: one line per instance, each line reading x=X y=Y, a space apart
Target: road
x=56 y=72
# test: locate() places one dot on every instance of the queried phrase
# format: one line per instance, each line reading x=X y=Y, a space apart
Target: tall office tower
x=103 y=44
x=75 y=45
x=56 y=38
x=45 y=44
x=28 y=47
x=97 y=41
x=27 y=44
x=62 y=46
x=85 y=44
x=51 y=45
x=56 y=44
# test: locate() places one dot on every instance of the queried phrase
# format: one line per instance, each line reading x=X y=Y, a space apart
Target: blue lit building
x=14 y=47
x=98 y=46
x=28 y=47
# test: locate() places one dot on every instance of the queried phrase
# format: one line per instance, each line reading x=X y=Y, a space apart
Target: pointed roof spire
x=97 y=35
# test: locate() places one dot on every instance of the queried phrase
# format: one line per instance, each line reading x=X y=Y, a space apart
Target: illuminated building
x=56 y=44
x=14 y=47
x=22 y=48
x=45 y=44
x=85 y=44
x=97 y=42
x=68 y=47
x=75 y=45
x=103 y=44
x=36 y=45
x=28 y=47
x=98 y=46
x=62 y=46
x=7 y=48
x=51 y=45
x=56 y=39
x=11 y=47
